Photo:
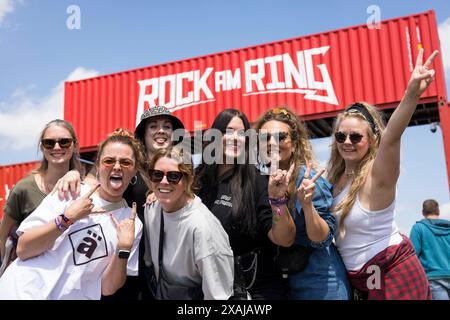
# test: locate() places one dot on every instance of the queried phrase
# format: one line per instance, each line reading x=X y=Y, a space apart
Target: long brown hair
x=336 y=164
x=74 y=163
x=302 y=152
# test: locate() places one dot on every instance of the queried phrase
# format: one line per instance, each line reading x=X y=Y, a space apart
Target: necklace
x=349 y=173
x=46 y=188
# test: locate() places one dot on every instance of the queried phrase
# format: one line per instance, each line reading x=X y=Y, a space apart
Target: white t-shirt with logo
x=73 y=267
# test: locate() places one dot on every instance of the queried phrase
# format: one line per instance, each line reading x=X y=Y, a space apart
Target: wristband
x=59 y=225
x=65 y=221
x=278 y=203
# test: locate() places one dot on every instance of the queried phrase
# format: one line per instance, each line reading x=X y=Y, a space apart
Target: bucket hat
x=152 y=112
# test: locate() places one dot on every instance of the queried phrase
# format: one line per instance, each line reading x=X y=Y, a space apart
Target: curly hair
x=302 y=152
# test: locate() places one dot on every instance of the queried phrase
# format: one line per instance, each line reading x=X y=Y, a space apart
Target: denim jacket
x=322 y=202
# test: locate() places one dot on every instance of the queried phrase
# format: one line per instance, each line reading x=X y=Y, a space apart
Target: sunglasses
x=354 y=137
x=266 y=136
x=173 y=177
x=111 y=162
x=50 y=143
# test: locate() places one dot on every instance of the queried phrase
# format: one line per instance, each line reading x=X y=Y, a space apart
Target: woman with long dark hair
x=236 y=192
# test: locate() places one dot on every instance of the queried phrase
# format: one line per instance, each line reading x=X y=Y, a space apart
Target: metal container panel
x=316 y=75
x=9 y=175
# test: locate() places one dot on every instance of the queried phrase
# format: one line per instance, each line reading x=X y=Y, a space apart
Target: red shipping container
x=316 y=75
x=9 y=175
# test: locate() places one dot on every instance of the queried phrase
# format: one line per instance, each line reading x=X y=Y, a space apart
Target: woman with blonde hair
x=364 y=169
x=82 y=248
x=59 y=146
x=296 y=188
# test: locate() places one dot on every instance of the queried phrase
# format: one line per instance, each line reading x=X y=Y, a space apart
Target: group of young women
x=221 y=227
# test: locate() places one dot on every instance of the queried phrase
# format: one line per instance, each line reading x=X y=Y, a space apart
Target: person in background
x=236 y=193
x=59 y=145
x=297 y=190
x=431 y=240
x=364 y=168
x=83 y=248
x=186 y=244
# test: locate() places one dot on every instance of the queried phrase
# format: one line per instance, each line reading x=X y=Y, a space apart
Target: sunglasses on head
x=63 y=143
x=266 y=136
x=173 y=177
x=111 y=162
x=354 y=137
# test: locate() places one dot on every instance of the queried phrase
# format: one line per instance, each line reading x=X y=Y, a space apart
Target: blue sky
x=38 y=53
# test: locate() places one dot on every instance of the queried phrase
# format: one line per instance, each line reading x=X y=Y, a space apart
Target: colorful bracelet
x=65 y=221
x=59 y=225
x=278 y=203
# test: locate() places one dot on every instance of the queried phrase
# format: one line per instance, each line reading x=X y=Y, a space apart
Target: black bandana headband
x=361 y=109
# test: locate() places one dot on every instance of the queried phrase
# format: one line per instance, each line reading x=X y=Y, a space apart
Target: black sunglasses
x=354 y=137
x=266 y=136
x=50 y=143
x=172 y=176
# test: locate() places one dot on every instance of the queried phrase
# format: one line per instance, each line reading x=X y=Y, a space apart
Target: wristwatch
x=123 y=254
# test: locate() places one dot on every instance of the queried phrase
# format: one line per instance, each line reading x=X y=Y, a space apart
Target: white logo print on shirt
x=88 y=244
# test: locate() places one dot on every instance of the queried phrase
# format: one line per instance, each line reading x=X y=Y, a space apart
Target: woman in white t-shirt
x=364 y=169
x=186 y=243
x=80 y=249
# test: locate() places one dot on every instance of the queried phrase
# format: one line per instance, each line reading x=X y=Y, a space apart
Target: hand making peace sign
x=305 y=192
x=421 y=77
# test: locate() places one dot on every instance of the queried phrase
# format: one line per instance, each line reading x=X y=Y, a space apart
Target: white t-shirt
x=366 y=232
x=73 y=267
x=196 y=248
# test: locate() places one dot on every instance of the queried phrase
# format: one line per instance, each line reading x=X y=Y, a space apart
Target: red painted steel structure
x=9 y=175
x=316 y=75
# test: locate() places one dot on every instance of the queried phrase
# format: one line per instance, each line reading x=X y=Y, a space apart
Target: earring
x=133 y=182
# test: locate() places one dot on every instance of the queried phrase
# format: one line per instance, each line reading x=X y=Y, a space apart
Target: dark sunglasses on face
x=50 y=143
x=111 y=162
x=173 y=177
x=266 y=136
x=354 y=137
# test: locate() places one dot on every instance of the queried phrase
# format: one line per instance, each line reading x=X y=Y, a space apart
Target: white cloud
x=444 y=36
x=7 y=6
x=445 y=211
x=22 y=119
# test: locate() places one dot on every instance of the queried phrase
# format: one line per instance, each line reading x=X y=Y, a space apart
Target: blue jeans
x=440 y=289
x=324 y=278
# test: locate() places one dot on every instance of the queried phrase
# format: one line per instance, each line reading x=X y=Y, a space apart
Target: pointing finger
x=291 y=170
x=419 y=59
x=318 y=174
x=91 y=192
x=308 y=171
x=133 y=211
x=431 y=58
x=114 y=220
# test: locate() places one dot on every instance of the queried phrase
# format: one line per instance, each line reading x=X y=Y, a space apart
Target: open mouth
x=161 y=140
x=116 y=181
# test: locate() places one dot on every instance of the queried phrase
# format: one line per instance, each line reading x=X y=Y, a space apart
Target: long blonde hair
x=336 y=164
x=302 y=152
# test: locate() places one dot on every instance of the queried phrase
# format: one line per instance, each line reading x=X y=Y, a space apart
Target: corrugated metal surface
x=9 y=175
x=315 y=75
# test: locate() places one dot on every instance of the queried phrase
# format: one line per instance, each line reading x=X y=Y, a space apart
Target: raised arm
x=386 y=167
